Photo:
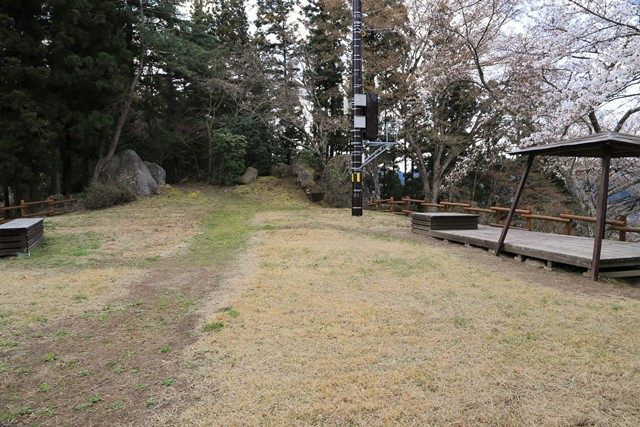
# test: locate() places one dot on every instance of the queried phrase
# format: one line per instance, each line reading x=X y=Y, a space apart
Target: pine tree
x=276 y=38
x=277 y=43
x=327 y=22
x=24 y=97
x=231 y=23
x=91 y=66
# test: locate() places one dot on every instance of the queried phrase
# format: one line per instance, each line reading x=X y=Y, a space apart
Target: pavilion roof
x=595 y=145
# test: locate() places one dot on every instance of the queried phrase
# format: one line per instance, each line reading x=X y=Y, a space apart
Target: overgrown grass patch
x=65 y=249
x=230 y=311
x=213 y=326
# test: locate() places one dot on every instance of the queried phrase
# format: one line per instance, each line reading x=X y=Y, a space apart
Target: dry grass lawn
x=90 y=257
x=343 y=325
x=208 y=306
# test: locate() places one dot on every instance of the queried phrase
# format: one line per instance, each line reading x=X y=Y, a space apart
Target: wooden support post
x=529 y=221
x=568 y=226
x=24 y=209
x=601 y=221
x=514 y=205
x=623 y=232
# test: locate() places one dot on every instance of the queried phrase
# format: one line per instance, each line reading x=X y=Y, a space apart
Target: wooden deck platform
x=557 y=248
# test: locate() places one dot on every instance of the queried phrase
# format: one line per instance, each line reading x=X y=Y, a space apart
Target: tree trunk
x=85 y=167
x=424 y=176
x=6 y=195
x=373 y=170
x=55 y=172
x=437 y=176
x=210 y=156
x=126 y=108
x=435 y=190
x=67 y=169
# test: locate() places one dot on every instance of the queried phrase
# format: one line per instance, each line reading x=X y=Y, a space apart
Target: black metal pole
x=514 y=205
x=356 y=134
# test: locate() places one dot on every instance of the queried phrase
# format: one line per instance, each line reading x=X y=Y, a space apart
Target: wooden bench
x=20 y=235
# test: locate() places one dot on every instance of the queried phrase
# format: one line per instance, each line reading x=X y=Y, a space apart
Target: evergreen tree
x=231 y=23
x=276 y=39
x=386 y=45
x=277 y=43
x=327 y=22
x=91 y=66
x=24 y=97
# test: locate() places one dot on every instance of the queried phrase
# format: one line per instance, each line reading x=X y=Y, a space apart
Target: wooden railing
x=48 y=207
x=498 y=214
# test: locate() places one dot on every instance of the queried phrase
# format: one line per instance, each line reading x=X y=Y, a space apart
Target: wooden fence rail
x=47 y=207
x=499 y=212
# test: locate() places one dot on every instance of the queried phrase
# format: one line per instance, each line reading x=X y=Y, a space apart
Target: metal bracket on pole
x=383 y=146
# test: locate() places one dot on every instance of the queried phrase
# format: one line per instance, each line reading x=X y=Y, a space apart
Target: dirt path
x=94 y=326
x=126 y=355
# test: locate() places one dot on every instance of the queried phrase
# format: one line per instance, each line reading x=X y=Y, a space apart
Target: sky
x=251 y=11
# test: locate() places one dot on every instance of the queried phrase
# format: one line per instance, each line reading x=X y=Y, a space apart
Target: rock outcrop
x=305 y=169
x=280 y=170
x=157 y=172
x=249 y=176
x=130 y=171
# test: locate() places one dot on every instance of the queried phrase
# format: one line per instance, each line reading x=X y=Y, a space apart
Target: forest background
x=209 y=88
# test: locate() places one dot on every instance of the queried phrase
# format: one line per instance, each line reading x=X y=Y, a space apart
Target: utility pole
x=357 y=146
x=364 y=111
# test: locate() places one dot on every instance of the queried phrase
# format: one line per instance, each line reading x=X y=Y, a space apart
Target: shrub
x=107 y=194
x=229 y=151
x=309 y=158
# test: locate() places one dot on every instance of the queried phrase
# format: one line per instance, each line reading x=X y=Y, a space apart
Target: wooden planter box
x=444 y=221
x=20 y=235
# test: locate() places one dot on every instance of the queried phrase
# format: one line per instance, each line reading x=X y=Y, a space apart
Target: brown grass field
x=208 y=306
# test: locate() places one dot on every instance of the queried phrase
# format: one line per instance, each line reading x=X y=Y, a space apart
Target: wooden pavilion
x=606 y=146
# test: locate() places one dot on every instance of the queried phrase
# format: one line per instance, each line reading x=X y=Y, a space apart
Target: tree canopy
x=206 y=88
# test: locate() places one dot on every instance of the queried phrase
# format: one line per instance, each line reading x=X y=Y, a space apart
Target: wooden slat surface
x=571 y=250
x=431 y=215
x=26 y=224
x=20 y=235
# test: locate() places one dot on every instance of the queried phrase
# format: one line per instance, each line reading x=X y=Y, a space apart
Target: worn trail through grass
x=94 y=323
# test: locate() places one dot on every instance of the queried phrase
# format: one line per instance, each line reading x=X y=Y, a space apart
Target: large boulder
x=130 y=171
x=337 y=182
x=157 y=172
x=306 y=168
x=249 y=176
x=280 y=170
x=306 y=178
